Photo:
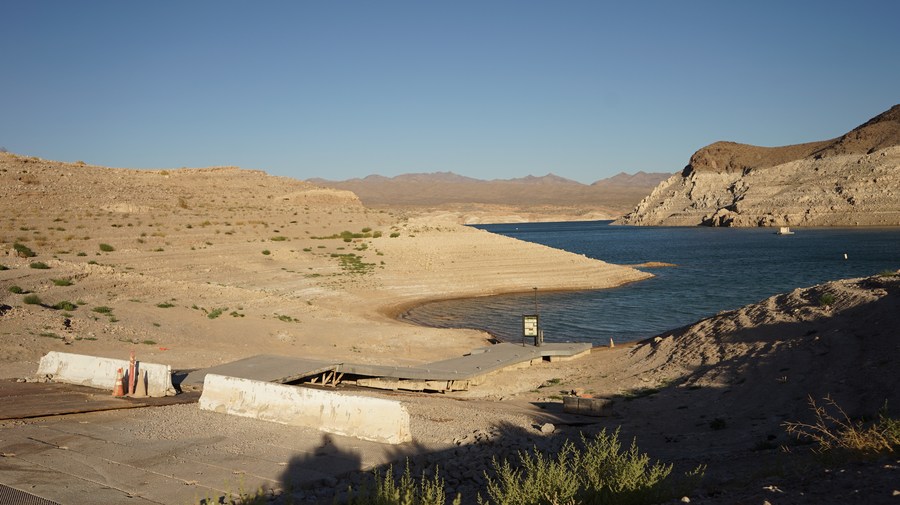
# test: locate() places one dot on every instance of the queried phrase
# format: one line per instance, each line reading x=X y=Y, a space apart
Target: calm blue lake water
x=718 y=269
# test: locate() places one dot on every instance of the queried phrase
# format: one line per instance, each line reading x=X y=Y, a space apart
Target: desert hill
x=549 y=197
x=851 y=180
x=197 y=266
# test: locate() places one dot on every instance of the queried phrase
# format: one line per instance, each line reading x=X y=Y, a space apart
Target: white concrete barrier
x=101 y=372
x=374 y=419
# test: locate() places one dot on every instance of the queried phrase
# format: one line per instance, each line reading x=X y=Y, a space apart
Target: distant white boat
x=784 y=230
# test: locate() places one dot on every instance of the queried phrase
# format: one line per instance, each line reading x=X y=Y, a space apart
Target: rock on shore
x=853 y=180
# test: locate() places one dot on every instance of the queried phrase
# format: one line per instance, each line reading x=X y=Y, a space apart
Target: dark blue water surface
x=717 y=269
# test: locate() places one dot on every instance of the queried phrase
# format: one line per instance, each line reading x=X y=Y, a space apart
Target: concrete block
x=595 y=407
x=374 y=419
x=100 y=373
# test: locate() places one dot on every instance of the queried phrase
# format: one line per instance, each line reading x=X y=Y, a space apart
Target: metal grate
x=12 y=496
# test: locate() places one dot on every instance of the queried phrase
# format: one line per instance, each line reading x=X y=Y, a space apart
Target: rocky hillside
x=853 y=180
x=448 y=191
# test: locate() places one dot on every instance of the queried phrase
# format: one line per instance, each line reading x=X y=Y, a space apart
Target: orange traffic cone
x=119 y=390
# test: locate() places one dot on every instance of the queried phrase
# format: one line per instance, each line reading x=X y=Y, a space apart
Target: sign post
x=531 y=328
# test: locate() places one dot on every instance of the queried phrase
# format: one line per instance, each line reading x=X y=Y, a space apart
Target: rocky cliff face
x=853 y=180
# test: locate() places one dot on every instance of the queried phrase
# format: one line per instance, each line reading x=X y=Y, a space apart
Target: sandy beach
x=198 y=267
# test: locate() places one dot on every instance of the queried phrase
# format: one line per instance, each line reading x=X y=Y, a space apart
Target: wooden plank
x=22 y=400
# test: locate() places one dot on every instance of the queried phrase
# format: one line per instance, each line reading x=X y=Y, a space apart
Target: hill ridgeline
x=852 y=180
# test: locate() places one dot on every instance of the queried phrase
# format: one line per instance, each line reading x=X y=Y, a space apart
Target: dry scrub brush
x=388 y=491
x=599 y=472
x=834 y=430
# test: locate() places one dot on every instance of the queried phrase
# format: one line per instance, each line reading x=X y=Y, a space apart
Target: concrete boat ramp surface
x=179 y=454
x=448 y=375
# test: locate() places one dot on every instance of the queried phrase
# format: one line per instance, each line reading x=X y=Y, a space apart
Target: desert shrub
x=107 y=248
x=23 y=251
x=16 y=290
x=39 y=265
x=376 y=234
x=266 y=252
x=65 y=305
x=351 y=263
x=165 y=305
x=834 y=431
x=32 y=299
x=102 y=309
x=601 y=471
x=826 y=300
x=389 y=491
x=216 y=312
x=62 y=282
x=278 y=238
x=395 y=234
x=3 y=267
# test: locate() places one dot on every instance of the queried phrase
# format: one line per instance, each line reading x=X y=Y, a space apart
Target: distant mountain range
x=614 y=195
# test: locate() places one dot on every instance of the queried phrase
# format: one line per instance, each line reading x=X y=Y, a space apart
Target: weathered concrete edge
x=374 y=419
x=100 y=373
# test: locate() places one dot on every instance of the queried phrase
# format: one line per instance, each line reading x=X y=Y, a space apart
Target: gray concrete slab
x=174 y=454
x=61 y=488
x=263 y=367
x=483 y=361
x=89 y=471
x=283 y=369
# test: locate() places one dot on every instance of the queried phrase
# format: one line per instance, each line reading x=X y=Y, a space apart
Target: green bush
x=600 y=472
x=102 y=309
x=395 y=234
x=107 y=248
x=216 y=312
x=351 y=263
x=266 y=252
x=3 y=267
x=32 y=299
x=65 y=305
x=16 y=290
x=62 y=282
x=278 y=238
x=165 y=305
x=826 y=300
x=39 y=265
x=23 y=251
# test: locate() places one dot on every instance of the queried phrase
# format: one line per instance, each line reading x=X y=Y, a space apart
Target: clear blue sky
x=488 y=89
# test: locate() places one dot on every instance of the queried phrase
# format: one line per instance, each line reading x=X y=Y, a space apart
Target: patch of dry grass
x=833 y=430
